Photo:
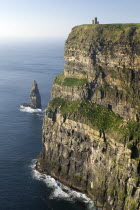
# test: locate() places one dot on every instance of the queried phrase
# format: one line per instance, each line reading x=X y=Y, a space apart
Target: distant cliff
x=91 y=129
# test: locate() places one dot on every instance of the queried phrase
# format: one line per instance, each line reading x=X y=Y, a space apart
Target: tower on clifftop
x=94 y=22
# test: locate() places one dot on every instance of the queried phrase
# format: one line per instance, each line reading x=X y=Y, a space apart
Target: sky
x=41 y=19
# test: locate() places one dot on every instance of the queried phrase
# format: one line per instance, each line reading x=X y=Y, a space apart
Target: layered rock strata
x=91 y=129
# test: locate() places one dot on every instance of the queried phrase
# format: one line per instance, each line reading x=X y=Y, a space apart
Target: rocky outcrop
x=35 y=96
x=91 y=128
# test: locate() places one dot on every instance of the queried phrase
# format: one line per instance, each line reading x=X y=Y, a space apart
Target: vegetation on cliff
x=62 y=80
x=102 y=118
x=106 y=33
x=94 y=114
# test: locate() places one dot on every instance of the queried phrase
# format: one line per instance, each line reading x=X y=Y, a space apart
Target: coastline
x=70 y=193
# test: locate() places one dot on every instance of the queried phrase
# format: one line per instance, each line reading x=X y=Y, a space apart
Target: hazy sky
x=55 y=18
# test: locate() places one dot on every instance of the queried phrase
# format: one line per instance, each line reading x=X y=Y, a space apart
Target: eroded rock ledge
x=91 y=129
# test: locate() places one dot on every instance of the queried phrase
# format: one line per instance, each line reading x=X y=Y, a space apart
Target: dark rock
x=35 y=96
x=27 y=105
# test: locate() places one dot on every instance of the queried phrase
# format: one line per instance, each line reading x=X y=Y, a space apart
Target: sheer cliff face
x=109 y=57
x=91 y=129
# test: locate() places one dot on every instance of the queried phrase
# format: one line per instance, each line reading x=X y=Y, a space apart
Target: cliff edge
x=91 y=129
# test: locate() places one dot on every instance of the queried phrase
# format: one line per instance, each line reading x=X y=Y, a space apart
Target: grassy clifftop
x=106 y=32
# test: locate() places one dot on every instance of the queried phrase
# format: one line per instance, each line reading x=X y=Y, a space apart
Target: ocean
x=21 y=187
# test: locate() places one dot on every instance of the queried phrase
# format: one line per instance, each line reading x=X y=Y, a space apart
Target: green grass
x=103 y=33
x=133 y=131
x=133 y=204
x=133 y=135
x=61 y=80
x=96 y=115
x=74 y=82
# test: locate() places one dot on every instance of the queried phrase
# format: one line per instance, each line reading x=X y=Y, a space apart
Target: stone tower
x=94 y=22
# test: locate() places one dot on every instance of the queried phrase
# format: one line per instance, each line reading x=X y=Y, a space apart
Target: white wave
x=60 y=191
x=29 y=109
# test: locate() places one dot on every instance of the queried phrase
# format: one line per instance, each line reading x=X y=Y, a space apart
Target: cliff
x=91 y=129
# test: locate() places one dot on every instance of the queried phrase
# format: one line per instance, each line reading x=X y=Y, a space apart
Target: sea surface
x=21 y=187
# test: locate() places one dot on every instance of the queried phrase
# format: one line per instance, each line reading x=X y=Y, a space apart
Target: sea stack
x=35 y=96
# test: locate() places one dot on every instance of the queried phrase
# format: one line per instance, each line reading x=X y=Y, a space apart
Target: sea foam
x=29 y=109
x=60 y=191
